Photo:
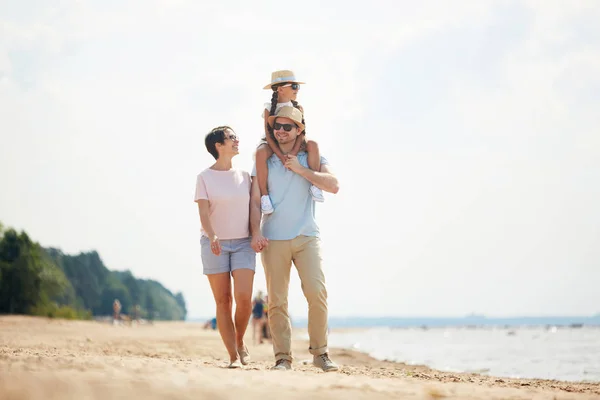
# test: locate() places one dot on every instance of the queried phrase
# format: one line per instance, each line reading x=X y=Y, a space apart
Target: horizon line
x=465 y=317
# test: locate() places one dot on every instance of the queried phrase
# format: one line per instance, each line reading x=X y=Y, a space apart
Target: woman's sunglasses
x=295 y=86
x=286 y=127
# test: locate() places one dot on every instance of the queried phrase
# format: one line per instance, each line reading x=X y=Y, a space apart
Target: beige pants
x=277 y=259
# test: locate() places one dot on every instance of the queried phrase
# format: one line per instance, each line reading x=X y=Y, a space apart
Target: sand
x=57 y=359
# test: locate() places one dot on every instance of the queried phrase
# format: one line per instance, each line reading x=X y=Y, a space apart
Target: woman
x=223 y=197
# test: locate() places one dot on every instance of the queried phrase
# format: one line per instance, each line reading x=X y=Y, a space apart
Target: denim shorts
x=235 y=254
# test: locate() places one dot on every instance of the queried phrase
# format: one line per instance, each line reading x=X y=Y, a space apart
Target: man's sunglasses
x=286 y=127
x=295 y=86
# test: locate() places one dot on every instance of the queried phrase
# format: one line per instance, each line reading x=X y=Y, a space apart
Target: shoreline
x=362 y=330
x=59 y=359
x=421 y=371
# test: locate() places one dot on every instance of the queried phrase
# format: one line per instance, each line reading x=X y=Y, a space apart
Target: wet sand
x=57 y=359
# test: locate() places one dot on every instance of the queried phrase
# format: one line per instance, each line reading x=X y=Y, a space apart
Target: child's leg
x=314 y=156
x=262 y=171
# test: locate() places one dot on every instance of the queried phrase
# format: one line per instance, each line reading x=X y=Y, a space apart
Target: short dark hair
x=217 y=135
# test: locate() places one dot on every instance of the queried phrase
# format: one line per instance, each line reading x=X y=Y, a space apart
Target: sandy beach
x=58 y=359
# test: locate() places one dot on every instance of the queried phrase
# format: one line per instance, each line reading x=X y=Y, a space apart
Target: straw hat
x=283 y=76
x=288 y=112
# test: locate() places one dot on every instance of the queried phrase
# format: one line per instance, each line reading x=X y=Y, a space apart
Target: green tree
x=150 y=308
x=48 y=282
x=133 y=286
x=181 y=301
x=21 y=281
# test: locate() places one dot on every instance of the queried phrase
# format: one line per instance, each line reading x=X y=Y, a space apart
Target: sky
x=464 y=135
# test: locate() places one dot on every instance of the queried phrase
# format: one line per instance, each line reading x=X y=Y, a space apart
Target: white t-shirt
x=278 y=106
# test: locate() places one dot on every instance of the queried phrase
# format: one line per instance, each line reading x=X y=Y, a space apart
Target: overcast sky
x=465 y=136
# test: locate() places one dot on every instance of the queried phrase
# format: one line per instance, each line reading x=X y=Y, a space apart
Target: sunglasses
x=233 y=137
x=286 y=127
x=295 y=86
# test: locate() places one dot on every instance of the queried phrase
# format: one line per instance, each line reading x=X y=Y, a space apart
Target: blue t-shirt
x=294 y=213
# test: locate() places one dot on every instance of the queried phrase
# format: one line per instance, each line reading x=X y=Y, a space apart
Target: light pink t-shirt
x=228 y=195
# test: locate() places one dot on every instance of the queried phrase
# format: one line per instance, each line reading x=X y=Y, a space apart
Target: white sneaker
x=265 y=204
x=317 y=194
x=324 y=362
x=282 y=365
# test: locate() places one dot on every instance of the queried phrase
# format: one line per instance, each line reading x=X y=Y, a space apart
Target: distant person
x=265 y=330
x=258 y=318
x=116 y=311
x=211 y=324
x=293 y=236
x=223 y=196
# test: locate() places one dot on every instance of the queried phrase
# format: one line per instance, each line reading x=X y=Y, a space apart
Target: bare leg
x=243 y=280
x=314 y=155
x=264 y=327
x=262 y=171
x=221 y=288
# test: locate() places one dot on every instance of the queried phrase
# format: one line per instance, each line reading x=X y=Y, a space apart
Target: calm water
x=571 y=354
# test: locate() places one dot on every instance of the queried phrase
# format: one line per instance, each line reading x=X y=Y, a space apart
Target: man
x=289 y=234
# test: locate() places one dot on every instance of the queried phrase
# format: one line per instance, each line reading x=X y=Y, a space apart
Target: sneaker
x=282 y=365
x=317 y=194
x=324 y=362
x=244 y=355
x=265 y=204
x=235 y=364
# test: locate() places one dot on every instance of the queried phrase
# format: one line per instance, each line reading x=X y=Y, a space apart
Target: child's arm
x=299 y=139
x=297 y=144
x=314 y=155
x=270 y=141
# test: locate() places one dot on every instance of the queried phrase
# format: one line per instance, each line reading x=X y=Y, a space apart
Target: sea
x=567 y=353
x=559 y=348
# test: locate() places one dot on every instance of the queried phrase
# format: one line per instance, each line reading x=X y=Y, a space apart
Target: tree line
x=45 y=281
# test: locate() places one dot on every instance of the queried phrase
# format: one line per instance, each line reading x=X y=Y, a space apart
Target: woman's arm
x=259 y=242
x=203 y=210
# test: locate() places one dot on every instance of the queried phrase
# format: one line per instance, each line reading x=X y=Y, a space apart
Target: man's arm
x=324 y=179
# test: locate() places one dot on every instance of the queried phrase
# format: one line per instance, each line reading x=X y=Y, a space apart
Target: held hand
x=293 y=164
x=263 y=243
x=215 y=246
x=259 y=242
